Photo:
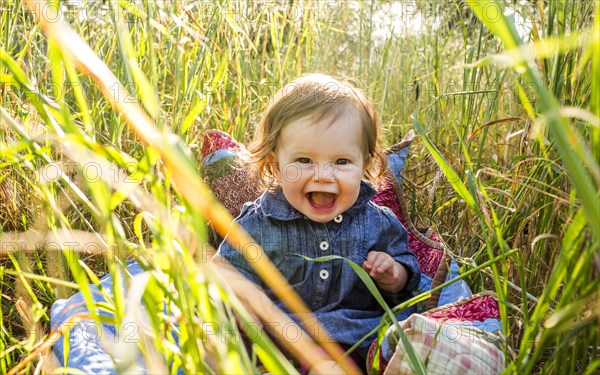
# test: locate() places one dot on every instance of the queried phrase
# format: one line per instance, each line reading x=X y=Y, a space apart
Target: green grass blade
x=447 y=169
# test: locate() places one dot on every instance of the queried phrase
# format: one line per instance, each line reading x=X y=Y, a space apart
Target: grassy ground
x=507 y=156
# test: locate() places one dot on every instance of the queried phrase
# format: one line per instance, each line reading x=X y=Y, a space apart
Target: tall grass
x=507 y=167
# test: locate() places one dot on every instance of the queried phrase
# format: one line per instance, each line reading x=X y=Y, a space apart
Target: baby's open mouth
x=321 y=199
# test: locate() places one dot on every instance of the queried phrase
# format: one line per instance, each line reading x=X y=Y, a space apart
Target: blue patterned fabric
x=453 y=292
x=89 y=342
x=396 y=162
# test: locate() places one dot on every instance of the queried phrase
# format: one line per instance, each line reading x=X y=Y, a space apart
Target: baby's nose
x=324 y=172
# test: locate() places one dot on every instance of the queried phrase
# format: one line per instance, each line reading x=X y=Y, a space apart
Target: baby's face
x=321 y=165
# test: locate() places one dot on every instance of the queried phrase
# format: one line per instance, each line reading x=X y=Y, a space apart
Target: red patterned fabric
x=371 y=356
x=215 y=140
x=478 y=309
x=428 y=257
x=387 y=197
x=433 y=236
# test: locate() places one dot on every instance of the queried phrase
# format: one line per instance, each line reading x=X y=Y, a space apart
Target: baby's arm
x=388 y=274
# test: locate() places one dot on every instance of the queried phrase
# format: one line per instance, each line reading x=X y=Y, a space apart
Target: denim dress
x=331 y=289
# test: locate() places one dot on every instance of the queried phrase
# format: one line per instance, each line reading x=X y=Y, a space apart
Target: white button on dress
x=324 y=274
x=324 y=245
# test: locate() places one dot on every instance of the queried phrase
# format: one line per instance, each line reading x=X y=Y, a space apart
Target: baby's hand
x=388 y=274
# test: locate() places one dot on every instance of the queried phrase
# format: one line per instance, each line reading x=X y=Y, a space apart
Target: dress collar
x=273 y=204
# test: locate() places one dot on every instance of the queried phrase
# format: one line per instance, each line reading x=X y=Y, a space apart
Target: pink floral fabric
x=478 y=309
x=217 y=140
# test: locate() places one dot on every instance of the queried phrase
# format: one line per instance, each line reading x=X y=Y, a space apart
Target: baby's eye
x=303 y=160
x=342 y=161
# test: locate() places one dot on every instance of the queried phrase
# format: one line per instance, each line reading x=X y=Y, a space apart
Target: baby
x=316 y=146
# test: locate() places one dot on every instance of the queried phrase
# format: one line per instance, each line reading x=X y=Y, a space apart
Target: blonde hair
x=316 y=95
